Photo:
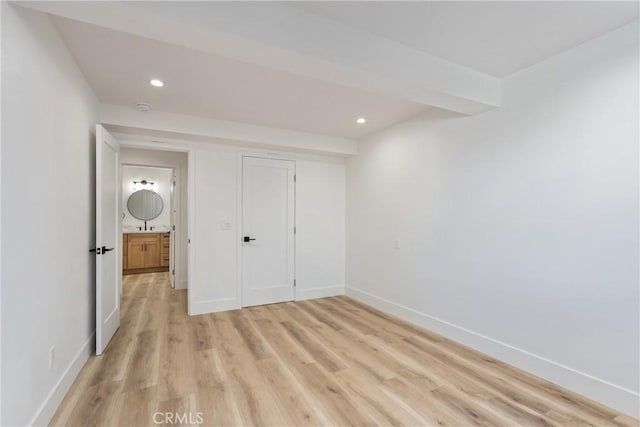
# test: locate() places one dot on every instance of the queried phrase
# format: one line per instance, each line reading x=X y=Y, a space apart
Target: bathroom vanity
x=145 y=252
x=145 y=248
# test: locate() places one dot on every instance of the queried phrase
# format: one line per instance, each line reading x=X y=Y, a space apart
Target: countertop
x=134 y=230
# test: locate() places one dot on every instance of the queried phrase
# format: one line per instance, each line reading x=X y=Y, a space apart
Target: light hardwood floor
x=330 y=361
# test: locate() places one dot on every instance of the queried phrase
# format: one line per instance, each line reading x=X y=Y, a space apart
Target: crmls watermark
x=178 y=418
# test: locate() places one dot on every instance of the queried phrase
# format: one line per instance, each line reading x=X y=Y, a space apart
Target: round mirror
x=145 y=204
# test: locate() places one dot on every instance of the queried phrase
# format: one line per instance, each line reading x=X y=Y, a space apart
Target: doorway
x=148 y=218
x=172 y=185
x=159 y=243
x=268 y=228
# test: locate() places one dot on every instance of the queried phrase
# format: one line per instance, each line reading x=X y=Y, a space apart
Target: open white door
x=268 y=231
x=172 y=232
x=108 y=272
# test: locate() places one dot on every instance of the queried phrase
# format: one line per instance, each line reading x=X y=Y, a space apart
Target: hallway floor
x=331 y=361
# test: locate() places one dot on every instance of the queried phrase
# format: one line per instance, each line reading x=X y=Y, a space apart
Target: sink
x=130 y=230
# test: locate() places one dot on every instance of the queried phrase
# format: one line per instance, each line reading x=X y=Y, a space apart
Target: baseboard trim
x=612 y=395
x=54 y=398
x=214 y=305
x=311 y=293
x=225 y=304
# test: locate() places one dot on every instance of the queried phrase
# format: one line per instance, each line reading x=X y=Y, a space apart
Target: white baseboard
x=54 y=398
x=331 y=291
x=225 y=304
x=612 y=395
x=213 y=306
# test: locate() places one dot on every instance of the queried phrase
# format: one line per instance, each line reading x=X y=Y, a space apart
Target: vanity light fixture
x=143 y=182
x=361 y=121
x=156 y=83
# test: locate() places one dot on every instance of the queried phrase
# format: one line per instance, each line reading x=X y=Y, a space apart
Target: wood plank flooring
x=331 y=361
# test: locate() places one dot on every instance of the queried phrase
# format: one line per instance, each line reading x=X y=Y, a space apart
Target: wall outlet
x=52 y=356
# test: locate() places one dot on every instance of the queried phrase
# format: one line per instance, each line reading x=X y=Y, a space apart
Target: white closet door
x=268 y=231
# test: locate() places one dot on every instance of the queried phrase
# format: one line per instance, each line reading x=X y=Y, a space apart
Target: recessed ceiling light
x=361 y=121
x=156 y=83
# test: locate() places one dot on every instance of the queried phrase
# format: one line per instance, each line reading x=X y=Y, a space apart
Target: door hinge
x=294 y=283
x=295 y=178
x=294 y=230
x=173 y=271
x=174 y=228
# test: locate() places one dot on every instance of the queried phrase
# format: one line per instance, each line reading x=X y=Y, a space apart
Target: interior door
x=172 y=232
x=108 y=270
x=267 y=231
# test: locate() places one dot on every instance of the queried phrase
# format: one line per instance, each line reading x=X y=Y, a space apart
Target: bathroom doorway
x=148 y=218
x=154 y=213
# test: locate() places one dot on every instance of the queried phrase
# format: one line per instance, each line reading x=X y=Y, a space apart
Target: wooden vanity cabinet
x=145 y=252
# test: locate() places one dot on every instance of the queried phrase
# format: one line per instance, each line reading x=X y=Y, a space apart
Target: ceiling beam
x=158 y=124
x=291 y=39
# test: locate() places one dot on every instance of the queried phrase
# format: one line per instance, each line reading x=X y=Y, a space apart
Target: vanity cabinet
x=145 y=252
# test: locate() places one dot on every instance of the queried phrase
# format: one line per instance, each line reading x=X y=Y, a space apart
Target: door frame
x=175 y=176
x=174 y=216
x=240 y=197
x=176 y=148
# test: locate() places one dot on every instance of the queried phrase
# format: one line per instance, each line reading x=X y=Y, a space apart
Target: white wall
x=215 y=282
x=161 y=178
x=518 y=228
x=320 y=223
x=215 y=192
x=178 y=161
x=48 y=197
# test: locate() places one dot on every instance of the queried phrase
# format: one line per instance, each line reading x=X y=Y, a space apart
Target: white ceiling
x=496 y=38
x=344 y=67
x=119 y=66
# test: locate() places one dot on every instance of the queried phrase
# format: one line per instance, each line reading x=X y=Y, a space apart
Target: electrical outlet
x=52 y=356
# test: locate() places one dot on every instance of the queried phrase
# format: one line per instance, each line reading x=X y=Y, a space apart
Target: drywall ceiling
x=119 y=66
x=496 y=38
x=315 y=67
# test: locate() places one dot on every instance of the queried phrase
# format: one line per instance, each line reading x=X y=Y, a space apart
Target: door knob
x=105 y=249
x=248 y=239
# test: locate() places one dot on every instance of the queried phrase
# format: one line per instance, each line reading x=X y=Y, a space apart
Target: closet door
x=268 y=231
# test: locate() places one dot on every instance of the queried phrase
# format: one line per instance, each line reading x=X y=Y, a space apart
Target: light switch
x=225 y=225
